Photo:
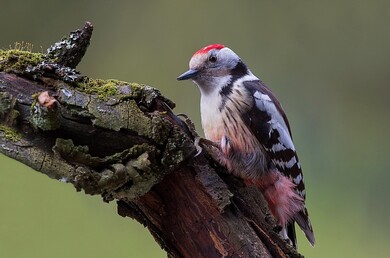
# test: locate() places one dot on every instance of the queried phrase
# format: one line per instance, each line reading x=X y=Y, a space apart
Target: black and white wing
x=269 y=124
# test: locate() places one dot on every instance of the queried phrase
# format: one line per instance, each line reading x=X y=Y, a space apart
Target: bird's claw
x=212 y=148
x=199 y=149
x=284 y=236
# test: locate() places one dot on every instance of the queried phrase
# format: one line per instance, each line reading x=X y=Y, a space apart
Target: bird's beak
x=188 y=75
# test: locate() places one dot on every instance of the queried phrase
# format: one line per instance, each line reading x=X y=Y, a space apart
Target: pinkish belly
x=213 y=133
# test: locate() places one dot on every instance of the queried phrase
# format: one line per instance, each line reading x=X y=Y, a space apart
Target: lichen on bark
x=10 y=133
x=104 y=107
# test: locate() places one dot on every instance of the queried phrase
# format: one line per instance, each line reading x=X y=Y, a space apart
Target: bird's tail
x=303 y=221
x=285 y=204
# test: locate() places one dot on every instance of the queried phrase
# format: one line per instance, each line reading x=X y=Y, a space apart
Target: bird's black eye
x=213 y=59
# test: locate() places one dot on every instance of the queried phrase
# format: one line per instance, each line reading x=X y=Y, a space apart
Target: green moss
x=107 y=88
x=35 y=100
x=9 y=133
x=18 y=60
x=103 y=88
x=137 y=89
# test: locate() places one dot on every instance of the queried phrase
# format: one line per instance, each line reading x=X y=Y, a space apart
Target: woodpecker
x=242 y=116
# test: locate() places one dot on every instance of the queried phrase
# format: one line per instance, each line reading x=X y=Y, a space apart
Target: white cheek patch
x=210 y=87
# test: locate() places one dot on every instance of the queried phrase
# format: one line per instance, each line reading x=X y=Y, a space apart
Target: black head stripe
x=239 y=71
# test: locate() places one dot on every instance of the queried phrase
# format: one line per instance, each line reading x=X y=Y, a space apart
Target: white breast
x=241 y=152
x=211 y=116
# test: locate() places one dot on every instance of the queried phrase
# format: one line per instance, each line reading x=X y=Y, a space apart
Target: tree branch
x=122 y=141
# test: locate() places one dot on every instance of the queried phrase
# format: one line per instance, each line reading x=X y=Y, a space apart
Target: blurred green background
x=327 y=61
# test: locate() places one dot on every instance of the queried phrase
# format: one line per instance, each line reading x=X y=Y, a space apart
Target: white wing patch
x=298 y=179
x=264 y=103
x=278 y=147
x=261 y=96
x=285 y=164
x=291 y=163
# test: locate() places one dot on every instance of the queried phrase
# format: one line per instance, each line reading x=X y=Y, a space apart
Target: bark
x=122 y=141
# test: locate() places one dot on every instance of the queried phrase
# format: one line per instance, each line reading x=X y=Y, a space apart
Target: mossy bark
x=122 y=141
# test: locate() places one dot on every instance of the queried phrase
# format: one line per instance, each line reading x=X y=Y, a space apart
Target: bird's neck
x=212 y=85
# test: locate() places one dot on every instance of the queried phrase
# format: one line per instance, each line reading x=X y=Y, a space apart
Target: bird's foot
x=284 y=236
x=211 y=147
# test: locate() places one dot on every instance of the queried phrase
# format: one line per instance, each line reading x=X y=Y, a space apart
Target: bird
x=244 y=119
